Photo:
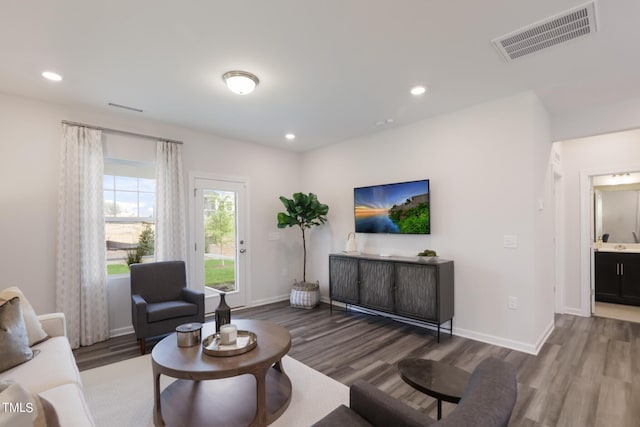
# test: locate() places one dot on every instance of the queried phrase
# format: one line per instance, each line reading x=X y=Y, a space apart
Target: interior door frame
x=587 y=218
x=194 y=239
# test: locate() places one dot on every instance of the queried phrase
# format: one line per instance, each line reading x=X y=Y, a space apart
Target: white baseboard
x=270 y=300
x=465 y=333
x=575 y=311
x=118 y=332
x=524 y=347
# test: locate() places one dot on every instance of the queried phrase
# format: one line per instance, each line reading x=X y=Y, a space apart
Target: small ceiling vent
x=577 y=22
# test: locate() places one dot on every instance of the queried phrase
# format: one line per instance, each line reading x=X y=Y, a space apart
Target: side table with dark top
x=249 y=389
x=436 y=379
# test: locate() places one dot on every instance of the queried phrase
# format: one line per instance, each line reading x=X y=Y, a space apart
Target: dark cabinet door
x=607 y=276
x=376 y=284
x=416 y=291
x=343 y=279
x=630 y=278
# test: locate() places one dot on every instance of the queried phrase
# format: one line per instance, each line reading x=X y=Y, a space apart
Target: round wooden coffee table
x=436 y=379
x=250 y=389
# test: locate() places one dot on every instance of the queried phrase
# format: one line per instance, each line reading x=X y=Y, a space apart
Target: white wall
x=488 y=167
x=29 y=144
x=613 y=151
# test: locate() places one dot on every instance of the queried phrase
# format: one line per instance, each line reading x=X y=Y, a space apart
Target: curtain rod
x=123 y=132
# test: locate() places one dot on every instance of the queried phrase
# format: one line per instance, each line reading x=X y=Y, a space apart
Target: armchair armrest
x=197 y=298
x=139 y=315
x=380 y=409
x=54 y=324
x=192 y=296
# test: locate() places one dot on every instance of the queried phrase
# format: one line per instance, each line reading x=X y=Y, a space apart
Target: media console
x=402 y=286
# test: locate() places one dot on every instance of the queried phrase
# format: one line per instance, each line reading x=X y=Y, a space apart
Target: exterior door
x=219 y=234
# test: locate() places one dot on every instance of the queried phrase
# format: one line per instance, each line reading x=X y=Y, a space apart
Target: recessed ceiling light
x=290 y=136
x=418 y=90
x=240 y=82
x=50 y=75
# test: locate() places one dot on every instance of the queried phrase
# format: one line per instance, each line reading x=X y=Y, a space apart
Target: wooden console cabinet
x=617 y=277
x=401 y=286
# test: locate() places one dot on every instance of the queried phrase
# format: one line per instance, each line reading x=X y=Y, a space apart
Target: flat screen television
x=400 y=208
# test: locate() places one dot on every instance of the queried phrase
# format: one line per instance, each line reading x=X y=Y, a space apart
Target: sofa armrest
x=380 y=409
x=54 y=324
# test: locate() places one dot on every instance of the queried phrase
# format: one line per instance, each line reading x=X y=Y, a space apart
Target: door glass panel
x=220 y=218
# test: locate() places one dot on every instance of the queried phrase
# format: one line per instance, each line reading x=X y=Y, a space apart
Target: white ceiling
x=329 y=70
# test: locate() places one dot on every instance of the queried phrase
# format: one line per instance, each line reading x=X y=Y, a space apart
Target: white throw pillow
x=31 y=322
x=23 y=409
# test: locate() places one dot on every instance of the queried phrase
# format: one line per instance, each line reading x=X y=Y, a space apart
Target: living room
x=493 y=167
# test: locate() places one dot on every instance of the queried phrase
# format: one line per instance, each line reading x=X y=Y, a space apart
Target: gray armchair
x=487 y=402
x=160 y=299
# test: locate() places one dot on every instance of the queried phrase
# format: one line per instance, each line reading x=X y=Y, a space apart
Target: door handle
x=243 y=251
x=622 y=269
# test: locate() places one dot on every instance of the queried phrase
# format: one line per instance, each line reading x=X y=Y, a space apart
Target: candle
x=228 y=334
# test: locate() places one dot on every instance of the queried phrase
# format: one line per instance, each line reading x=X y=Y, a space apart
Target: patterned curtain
x=171 y=242
x=81 y=276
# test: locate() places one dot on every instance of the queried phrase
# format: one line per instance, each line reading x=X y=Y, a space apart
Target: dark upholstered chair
x=160 y=299
x=487 y=402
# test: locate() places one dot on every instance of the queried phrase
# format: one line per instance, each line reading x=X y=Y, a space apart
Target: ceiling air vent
x=577 y=22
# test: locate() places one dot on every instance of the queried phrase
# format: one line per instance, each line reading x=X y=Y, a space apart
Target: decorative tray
x=245 y=342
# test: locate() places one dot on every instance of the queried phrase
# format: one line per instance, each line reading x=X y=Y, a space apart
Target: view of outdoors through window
x=129 y=220
x=220 y=240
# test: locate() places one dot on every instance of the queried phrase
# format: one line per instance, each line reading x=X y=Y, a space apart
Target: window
x=129 y=202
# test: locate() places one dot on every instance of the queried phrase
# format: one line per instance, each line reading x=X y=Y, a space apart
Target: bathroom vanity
x=617 y=275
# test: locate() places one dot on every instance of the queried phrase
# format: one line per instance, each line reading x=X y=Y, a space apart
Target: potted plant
x=303 y=211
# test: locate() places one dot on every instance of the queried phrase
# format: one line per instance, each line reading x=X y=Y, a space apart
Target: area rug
x=121 y=394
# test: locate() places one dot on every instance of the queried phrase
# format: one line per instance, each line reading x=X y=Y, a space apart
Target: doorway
x=219 y=235
x=592 y=233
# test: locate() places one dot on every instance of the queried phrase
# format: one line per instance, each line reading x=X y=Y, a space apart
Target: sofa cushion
x=14 y=342
x=170 y=309
x=53 y=366
x=34 y=328
x=21 y=408
x=70 y=405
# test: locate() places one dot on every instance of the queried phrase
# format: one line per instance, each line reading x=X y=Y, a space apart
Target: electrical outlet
x=513 y=303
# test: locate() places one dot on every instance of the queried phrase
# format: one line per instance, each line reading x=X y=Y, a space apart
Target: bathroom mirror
x=617 y=207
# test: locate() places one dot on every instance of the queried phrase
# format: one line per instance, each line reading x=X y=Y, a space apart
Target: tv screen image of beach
x=401 y=208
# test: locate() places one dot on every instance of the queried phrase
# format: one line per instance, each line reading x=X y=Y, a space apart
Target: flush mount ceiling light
x=290 y=136
x=240 y=82
x=50 y=75
x=418 y=90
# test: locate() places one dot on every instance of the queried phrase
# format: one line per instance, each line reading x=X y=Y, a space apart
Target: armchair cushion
x=342 y=416
x=169 y=310
x=158 y=281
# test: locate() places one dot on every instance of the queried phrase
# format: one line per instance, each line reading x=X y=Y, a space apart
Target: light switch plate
x=510 y=241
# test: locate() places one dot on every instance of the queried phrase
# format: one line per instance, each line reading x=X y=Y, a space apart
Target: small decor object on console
x=223 y=313
x=352 y=244
x=428 y=255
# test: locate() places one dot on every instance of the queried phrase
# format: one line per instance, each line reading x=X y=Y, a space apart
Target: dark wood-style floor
x=587 y=374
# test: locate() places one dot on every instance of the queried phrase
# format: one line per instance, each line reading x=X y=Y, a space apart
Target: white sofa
x=54 y=375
